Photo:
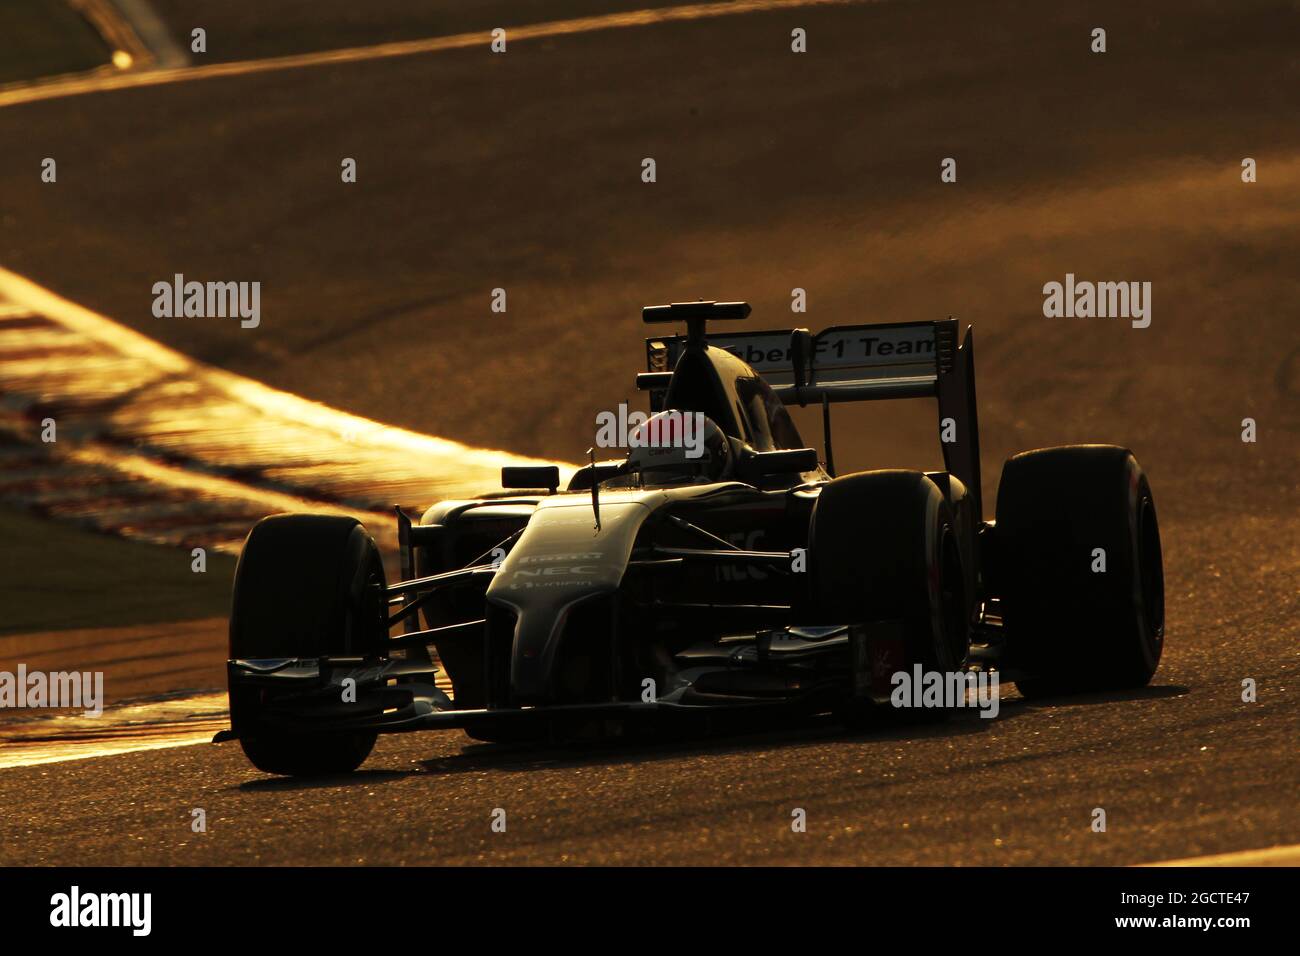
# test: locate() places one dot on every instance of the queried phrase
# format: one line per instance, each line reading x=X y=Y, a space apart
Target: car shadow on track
x=476 y=757
x=358 y=778
x=807 y=731
x=1103 y=697
x=714 y=741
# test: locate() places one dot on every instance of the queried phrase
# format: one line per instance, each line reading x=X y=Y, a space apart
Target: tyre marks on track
x=152 y=724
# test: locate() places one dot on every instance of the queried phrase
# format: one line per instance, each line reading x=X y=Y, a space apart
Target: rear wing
x=845 y=363
x=855 y=363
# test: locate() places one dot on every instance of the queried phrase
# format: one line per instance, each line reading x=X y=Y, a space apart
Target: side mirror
x=531 y=476
x=594 y=474
x=795 y=460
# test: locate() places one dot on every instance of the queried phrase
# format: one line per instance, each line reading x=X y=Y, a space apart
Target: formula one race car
x=717 y=566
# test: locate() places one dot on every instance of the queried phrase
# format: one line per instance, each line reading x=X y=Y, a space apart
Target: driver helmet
x=675 y=446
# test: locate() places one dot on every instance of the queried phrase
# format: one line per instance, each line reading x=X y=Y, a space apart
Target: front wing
x=351 y=694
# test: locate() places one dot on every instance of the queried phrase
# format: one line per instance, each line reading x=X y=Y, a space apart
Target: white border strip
x=1272 y=856
x=97 y=83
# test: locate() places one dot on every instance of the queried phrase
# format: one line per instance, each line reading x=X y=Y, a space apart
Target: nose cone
x=560 y=561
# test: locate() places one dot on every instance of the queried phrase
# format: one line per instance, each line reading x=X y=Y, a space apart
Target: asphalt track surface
x=821 y=173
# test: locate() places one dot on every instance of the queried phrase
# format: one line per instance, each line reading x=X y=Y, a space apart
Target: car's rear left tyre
x=306 y=586
x=883 y=547
x=1081 y=570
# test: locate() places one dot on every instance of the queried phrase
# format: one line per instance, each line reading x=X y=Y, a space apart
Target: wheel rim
x=1152 y=573
x=367 y=621
x=952 y=598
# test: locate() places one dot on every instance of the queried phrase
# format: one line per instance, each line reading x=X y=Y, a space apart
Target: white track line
x=152 y=32
x=121 y=729
x=102 y=82
x=128 y=406
x=1272 y=856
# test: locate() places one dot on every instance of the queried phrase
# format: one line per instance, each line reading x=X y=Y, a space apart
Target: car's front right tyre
x=306 y=586
x=883 y=546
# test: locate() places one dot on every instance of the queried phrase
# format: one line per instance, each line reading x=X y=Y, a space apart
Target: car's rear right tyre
x=1081 y=570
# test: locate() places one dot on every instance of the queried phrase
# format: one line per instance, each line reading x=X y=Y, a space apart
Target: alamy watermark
x=946 y=689
x=209 y=300
x=633 y=429
x=58 y=689
x=1085 y=300
x=76 y=909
